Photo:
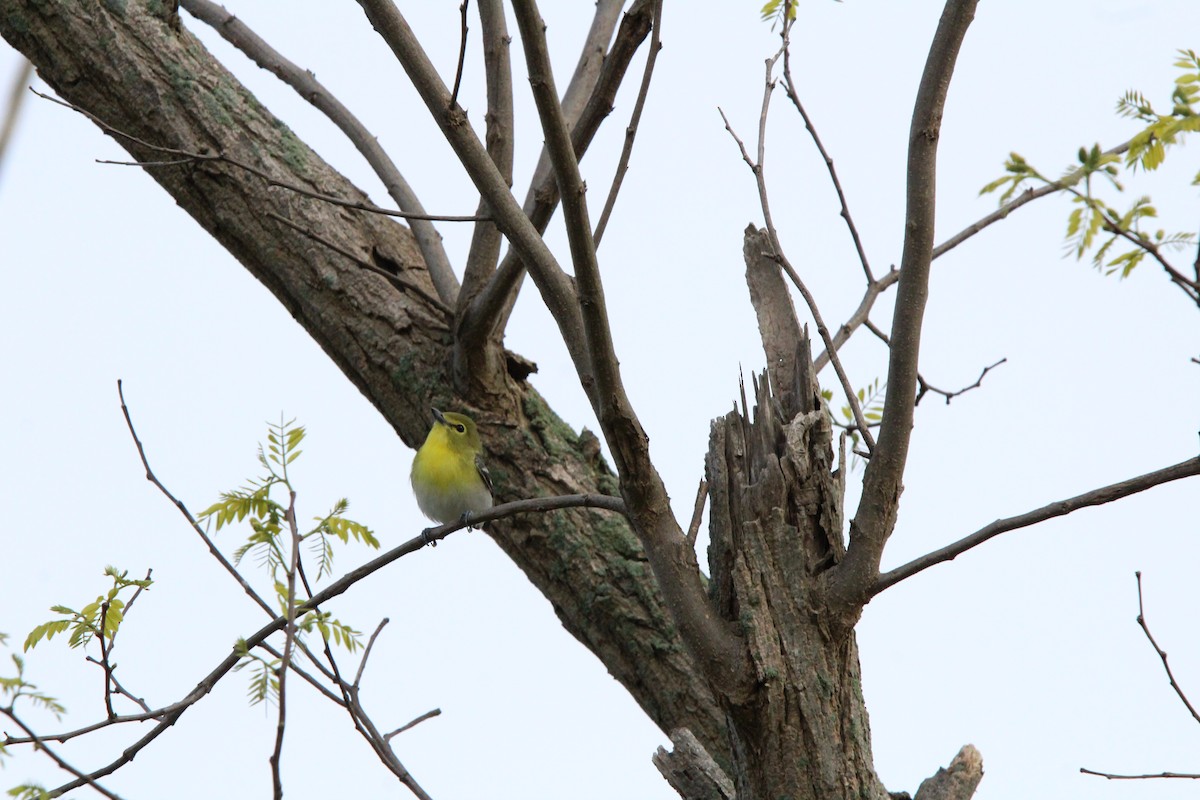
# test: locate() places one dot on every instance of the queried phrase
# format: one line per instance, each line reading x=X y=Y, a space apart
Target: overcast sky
x=1026 y=647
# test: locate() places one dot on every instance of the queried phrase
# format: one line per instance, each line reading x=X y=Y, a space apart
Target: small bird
x=448 y=475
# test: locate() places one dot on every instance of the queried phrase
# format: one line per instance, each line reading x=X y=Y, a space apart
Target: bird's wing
x=483 y=472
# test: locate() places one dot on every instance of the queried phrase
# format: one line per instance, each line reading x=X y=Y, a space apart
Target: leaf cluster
x=272 y=535
x=1095 y=225
x=101 y=617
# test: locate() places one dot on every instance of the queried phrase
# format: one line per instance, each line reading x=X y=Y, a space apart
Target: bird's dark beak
x=438 y=416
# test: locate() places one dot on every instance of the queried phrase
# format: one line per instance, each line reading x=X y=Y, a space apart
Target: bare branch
x=486 y=241
x=632 y=129
x=307 y=86
x=491 y=308
x=756 y=166
x=1096 y=497
x=1113 y=777
x=697 y=512
x=362 y=662
x=436 y=712
x=718 y=649
x=789 y=86
x=554 y=284
x=289 y=630
x=1162 y=654
x=925 y=386
x=852 y=580
x=212 y=548
x=462 y=54
x=81 y=778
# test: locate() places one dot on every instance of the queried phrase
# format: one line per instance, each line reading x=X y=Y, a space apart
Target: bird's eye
x=460 y=428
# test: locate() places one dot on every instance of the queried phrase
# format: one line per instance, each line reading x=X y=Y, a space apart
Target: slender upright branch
x=554 y=284
x=289 y=632
x=789 y=86
x=307 y=86
x=485 y=243
x=601 y=75
x=212 y=548
x=1162 y=654
x=757 y=167
x=718 y=649
x=462 y=53
x=1105 y=494
x=853 y=578
x=632 y=129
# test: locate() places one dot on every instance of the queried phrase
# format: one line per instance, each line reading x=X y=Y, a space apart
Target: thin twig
x=756 y=166
x=1026 y=197
x=366 y=727
x=9 y=741
x=1113 y=777
x=697 y=512
x=104 y=665
x=1162 y=654
x=362 y=663
x=789 y=86
x=186 y=156
x=117 y=687
x=462 y=54
x=367 y=265
x=82 y=778
x=289 y=632
x=307 y=86
x=1105 y=494
x=308 y=677
x=926 y=387
x=489 y=311
x=212 y=548
x=436 y=712
x=1114 y=226
x=632 y=129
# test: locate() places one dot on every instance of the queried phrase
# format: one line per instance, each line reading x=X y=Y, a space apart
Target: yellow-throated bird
x=448 y=475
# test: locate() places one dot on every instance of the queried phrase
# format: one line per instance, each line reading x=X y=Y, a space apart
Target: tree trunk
x=142 y=75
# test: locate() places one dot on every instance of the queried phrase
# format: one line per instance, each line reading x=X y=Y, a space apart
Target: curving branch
x=632 y=128
x=307 y=86
x=1096 y=497
x=717 y=648
x=601 y=75
x=485 y=244
x=852 y=580
x=555 y=286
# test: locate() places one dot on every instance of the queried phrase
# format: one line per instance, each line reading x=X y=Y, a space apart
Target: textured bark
x=691 y=771
x=139 y=73
x=776 y=530
x=794 y=724
x=958 y=781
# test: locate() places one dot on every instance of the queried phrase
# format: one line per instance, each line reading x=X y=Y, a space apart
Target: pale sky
x=1026 y=647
